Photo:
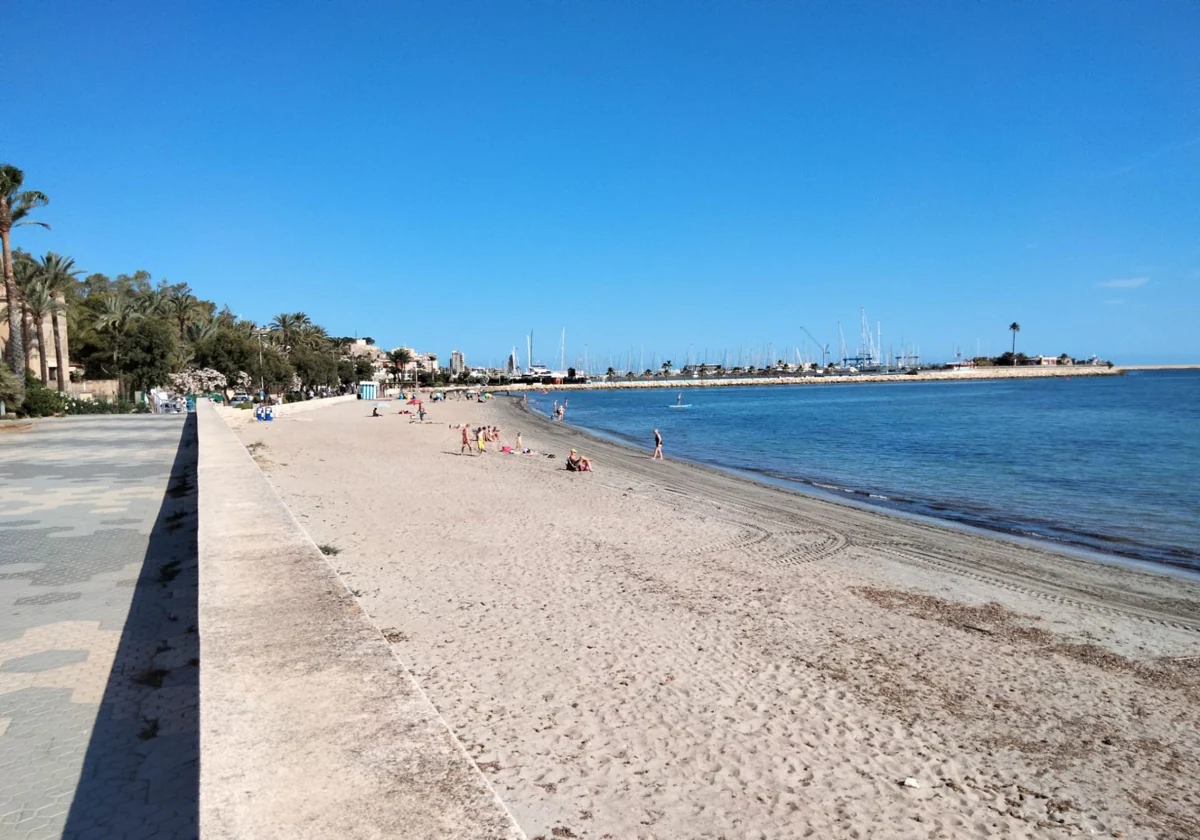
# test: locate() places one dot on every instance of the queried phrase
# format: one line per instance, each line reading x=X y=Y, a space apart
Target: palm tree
x=39 y=302
x=312 y=336
x=400 y=359
x=59 y=274
x=200 y=331
x=25 y=273
x=183 y=307
x=1015 y=328
x=610 y=374
x=666 y=366
x=15 y=206
x=285 y=325
x=117 y=314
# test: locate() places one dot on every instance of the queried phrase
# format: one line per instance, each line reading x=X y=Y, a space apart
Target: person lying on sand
x=577 y=463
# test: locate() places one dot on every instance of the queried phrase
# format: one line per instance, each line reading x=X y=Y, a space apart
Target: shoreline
x=661 y=649
x=978 y=375
x=864 y=499
x=1091 y=547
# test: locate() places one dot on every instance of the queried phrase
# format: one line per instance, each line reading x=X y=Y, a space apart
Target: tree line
x=140 y=332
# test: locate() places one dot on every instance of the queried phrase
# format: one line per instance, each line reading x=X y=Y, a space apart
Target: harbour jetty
x=982 y=373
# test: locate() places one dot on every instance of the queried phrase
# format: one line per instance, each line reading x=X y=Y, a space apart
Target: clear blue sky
x=648 y=175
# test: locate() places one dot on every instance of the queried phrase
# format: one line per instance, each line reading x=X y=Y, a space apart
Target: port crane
x=823 y=347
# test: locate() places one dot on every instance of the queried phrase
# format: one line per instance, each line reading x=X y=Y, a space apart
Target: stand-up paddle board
x=687 y=405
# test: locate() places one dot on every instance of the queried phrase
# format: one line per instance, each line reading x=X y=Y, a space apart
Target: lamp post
x=262 y=382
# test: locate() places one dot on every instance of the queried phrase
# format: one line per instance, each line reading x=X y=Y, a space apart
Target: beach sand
x=659 y=650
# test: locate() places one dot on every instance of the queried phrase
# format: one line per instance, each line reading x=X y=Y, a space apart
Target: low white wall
x=234 y=416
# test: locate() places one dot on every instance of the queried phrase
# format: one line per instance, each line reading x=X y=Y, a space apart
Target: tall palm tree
x=15 y=206
x=1015 y=328
x=40 y=303
x=286 y=324
x=59 y=273
x=25 y=273
x=400 y=359
x=117 y=314
x=183 y=308
x=666 y=366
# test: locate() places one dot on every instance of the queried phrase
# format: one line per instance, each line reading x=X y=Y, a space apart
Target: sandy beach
x=660 y=650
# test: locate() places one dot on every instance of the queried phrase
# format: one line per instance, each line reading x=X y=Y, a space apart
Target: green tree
x=314 y=367
x=226 y=352
x=610 y=374
x=149 y=348
x=117 y=316
x=1015 y=328
x=666 y=367
x=16 y=204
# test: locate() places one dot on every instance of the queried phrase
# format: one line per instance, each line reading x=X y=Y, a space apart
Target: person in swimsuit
x=657 y=456
x=577 y=463
x=466 y=441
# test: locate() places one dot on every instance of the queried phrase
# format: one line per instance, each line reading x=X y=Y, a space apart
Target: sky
x=691 y=180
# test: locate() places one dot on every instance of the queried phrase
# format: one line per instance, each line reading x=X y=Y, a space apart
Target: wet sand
x=659 y=650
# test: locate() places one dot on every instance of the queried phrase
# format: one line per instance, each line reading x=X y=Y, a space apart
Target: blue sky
x=662 y=178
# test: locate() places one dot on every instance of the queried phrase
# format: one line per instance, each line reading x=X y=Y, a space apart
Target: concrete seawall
x=309 y=725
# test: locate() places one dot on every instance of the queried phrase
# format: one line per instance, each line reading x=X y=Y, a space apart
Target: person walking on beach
x=657 y=456
x=466 y=441
x=481 y=439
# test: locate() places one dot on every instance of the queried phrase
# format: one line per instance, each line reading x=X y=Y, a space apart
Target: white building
x=458 y=363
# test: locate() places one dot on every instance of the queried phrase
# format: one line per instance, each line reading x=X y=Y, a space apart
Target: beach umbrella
x=414 y=401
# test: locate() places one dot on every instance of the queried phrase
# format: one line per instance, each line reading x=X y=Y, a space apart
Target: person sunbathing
x=577 y=463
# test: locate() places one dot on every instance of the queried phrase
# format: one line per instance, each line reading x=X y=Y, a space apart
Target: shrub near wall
x=40 y=401
x=74 y=405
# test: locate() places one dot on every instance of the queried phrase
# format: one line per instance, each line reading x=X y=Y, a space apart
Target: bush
x=74 y=405
x=40 y=401
x=245 y=406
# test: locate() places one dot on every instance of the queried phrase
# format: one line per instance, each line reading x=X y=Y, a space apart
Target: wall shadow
x=141 y=771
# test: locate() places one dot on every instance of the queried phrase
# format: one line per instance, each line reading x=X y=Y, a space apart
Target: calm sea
x=1107 y=463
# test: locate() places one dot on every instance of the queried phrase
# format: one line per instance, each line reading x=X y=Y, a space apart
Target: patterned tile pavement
x=98 y=643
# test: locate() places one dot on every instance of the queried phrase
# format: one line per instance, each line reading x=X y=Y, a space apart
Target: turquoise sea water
x=1106 y=463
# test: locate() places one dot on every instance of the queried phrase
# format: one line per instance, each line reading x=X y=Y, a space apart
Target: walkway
x=98 y=643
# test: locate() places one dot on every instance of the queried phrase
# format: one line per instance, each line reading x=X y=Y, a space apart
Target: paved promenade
x=98 y=643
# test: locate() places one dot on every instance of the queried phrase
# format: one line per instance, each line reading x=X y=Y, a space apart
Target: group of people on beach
x=479 y=437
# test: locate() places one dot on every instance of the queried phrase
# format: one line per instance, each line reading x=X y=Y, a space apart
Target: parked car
x=238 y=399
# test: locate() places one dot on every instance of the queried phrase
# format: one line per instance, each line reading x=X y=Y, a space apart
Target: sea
x=1107 y=464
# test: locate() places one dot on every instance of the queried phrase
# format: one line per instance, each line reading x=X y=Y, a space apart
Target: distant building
x=458 y=364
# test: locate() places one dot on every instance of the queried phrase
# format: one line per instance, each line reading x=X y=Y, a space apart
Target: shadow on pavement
x=141 y=772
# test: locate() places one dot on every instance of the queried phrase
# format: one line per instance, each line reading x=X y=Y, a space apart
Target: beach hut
x=367 y=390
